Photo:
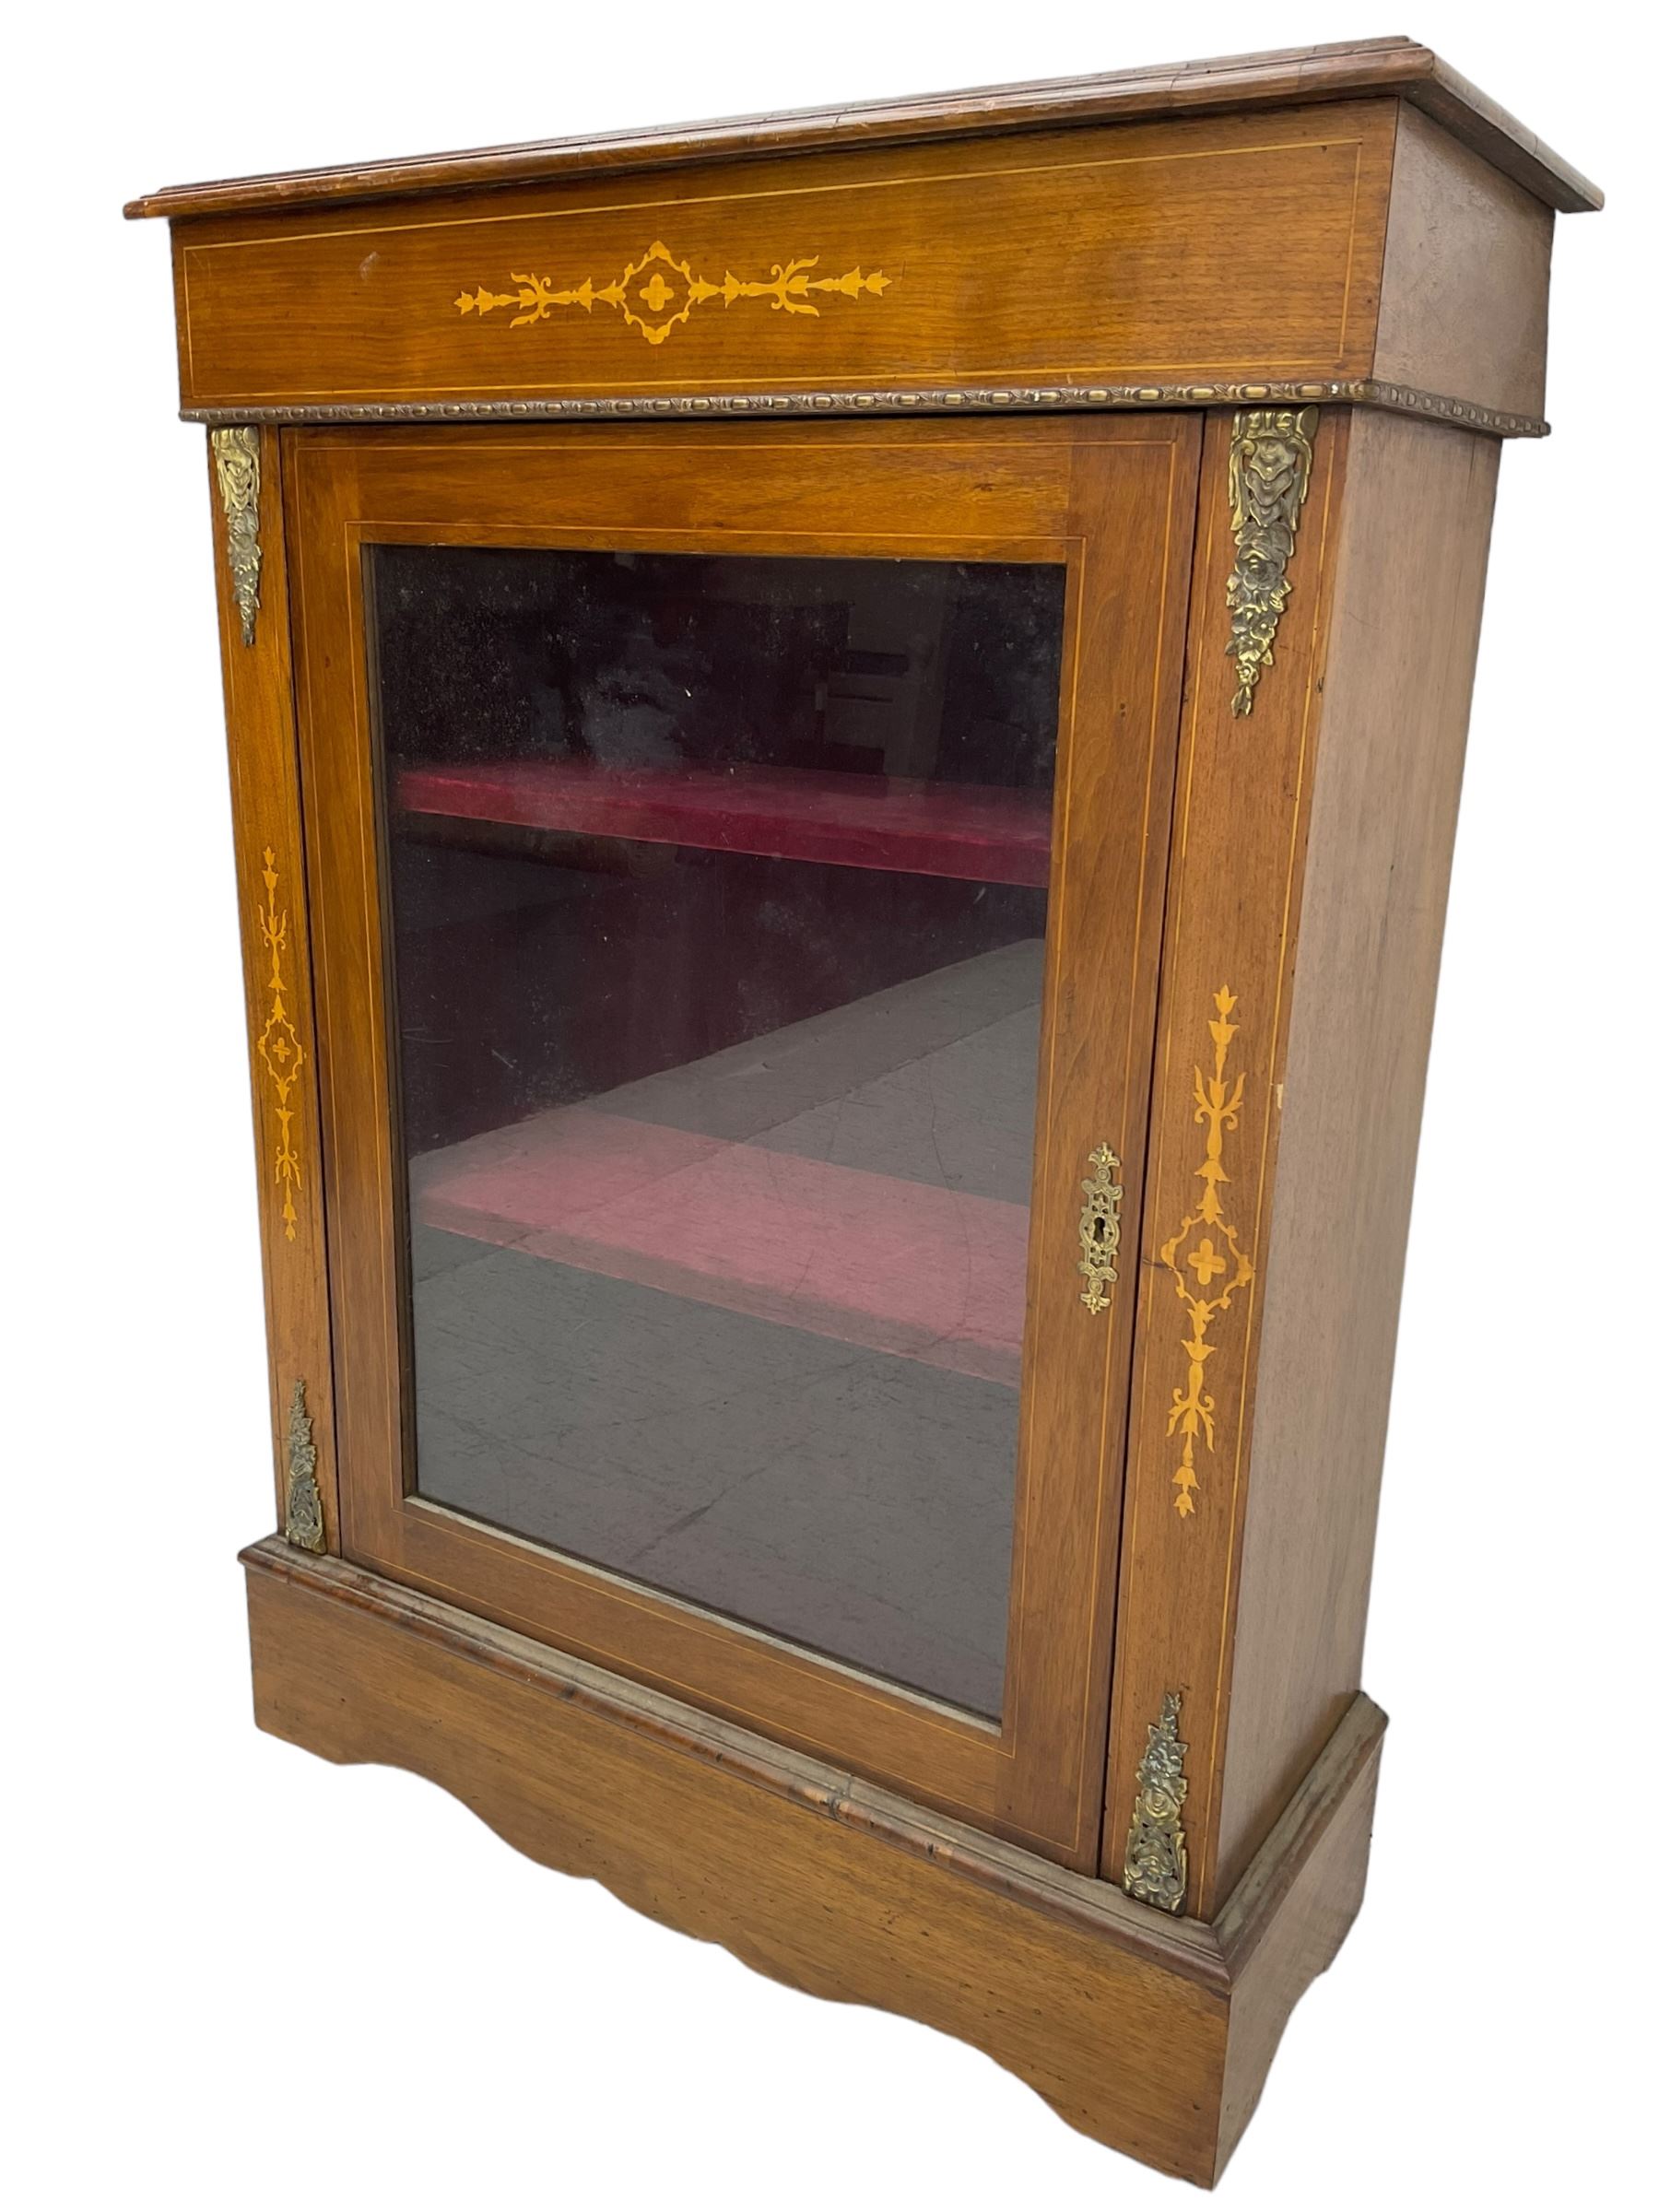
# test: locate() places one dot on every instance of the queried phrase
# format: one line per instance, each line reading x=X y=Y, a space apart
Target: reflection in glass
x=717 y=901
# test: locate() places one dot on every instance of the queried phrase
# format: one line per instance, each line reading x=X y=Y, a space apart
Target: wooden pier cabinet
x=846 y=732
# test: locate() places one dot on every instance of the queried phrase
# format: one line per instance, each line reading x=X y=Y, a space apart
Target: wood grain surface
x=1311 y=853
x=1464 y=299
x=276 y=937
x=1290 y=77
x=1050 y=260
x=1399 y=666
x=1147 y=2033
x=1240 y=826
x=1286 y=1919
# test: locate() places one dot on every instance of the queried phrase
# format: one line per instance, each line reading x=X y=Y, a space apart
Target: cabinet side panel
x=1400 y=667
x=1465 y=276
x=271 y=896
x=1301 y=1942
x=1244 y=784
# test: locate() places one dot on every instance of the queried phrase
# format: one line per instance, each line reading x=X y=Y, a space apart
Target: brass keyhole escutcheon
x=1100 y=1230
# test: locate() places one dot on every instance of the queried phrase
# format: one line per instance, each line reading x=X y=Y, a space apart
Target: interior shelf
x=898 y=1266
x=862 y=1174
x=971 y=833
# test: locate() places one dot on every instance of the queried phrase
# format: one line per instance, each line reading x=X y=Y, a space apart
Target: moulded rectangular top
x=1396 y=68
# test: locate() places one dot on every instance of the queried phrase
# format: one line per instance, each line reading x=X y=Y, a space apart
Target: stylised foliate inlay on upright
x=1205 y=1256
x=1155 y=1864
x=277 y=1044
x=1268 y=467
x=236 y=465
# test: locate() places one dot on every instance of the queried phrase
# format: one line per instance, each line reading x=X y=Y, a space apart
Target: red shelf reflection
x=972 y=833
x=905 y=1267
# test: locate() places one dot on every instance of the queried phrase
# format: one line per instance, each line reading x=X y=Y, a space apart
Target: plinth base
x=1150 y=2034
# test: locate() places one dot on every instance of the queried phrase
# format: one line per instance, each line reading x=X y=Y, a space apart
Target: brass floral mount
x=303 y=1515
x=1101 y=1230
x=1205 y=1255
x=1268 y=467
x=648 y=287
x=279 y=1045
x=1155 y=1862
x=236 y=465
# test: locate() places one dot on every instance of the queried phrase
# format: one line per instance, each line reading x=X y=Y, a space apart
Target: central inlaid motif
x=649 y=288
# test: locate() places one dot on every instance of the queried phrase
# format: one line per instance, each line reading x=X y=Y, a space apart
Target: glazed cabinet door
x=737 y=857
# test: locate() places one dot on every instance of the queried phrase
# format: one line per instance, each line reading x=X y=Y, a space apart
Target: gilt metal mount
x=236 y=465
x=303 y=1515
x=1267 y=471
x=1154 y=1865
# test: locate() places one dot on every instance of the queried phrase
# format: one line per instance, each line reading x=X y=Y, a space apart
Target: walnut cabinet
x=845 y=733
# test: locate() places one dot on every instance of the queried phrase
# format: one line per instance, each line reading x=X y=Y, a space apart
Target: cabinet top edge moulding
x=1088 y=243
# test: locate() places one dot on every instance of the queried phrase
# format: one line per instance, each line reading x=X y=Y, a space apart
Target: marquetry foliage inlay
x=655 y=294
x=279 y=1045
x=1203 y=1256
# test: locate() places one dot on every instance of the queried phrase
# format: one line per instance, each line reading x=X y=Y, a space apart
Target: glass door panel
x=717 y=895
x=736 y=861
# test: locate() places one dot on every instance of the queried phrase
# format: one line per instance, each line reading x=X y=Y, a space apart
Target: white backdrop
x=242 y=1978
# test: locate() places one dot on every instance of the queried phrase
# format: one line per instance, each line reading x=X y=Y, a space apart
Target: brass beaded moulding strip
x=1362 y=391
